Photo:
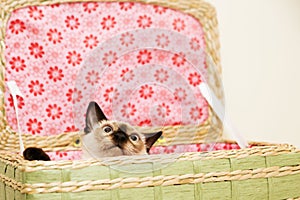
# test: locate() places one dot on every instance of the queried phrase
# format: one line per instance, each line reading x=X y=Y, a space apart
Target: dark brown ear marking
x=33 y=153
x=94 y=114
x=151 y=139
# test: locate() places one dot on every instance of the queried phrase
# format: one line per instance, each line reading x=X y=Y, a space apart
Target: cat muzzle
x=120 y=138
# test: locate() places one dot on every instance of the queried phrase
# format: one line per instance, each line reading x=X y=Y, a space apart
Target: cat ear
x=151 y=139
x=94 y=114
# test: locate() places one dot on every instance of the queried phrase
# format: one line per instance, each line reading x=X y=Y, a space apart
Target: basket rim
x=266 y=149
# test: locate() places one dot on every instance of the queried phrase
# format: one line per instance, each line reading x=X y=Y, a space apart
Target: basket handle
x=14 y=91
x=219 y=109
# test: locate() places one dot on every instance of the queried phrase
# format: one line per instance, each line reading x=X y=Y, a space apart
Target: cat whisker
x=111 y=147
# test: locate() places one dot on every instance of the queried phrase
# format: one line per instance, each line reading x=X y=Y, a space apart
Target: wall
x=260 y=49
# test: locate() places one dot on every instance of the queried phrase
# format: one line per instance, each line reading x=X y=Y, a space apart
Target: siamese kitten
x=106 y=138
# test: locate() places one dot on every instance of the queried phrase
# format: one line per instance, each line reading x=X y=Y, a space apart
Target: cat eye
x=107 y=129
x=134 y=137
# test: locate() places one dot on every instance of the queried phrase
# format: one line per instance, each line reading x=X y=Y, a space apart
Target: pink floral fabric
x=193 y=148
x=141 y=63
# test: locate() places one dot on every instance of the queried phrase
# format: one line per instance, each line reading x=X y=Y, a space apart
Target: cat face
x=104 y=138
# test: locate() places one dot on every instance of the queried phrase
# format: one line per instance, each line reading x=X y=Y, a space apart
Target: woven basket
x=264 y=171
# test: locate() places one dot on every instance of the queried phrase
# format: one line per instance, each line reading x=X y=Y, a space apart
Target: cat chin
x=110 y=152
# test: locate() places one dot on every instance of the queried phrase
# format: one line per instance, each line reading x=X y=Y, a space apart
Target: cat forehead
x=116 y=125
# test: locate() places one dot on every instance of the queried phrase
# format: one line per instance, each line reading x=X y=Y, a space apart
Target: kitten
x=106 y=138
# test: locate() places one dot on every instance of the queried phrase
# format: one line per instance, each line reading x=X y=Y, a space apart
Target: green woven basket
x=265 y=172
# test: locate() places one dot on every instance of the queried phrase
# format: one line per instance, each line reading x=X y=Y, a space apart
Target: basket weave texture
x=265 y=171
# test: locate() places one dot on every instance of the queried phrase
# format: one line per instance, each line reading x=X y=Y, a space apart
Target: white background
x=260 y=53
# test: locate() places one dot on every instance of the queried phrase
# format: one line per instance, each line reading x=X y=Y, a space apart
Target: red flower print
x=110 y=58
x=17 y=64
x=126 y=5
x=180 y=94
x=110 y=93
x=127 y=39
x=61 y=154
x=90 y=7
x=163 y=110
x=162 y=40
x=72 y=22
x=36 y=50
x=77 y=95
x=176 y=123
x=228 y=146
x=159 y=10
x=170 y=149
x=146 y=122
x=74 y=58
x=108 y=22
x=54 y=36
x=74 y=94
x=54 y=111
x=161 y=75
x=55 y=74
x=128 y=110
x=194 y=79
x=144 y=56
x=17 y=26
x=91 y=41
x=71 y=129
x=69 y=95
x=178 y=25
x=55 y=5
x=146 y=92
x=92 y=77
x=178 y=59
x=35 y=13
x=204 y=147
x=127 y=75
x=36 y=88
x=196 y=113
x=195 y=44
x=34 y=126
x=144 y=21
x=19 y=99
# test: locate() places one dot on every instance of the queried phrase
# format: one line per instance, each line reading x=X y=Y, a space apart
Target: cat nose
x=120 y=137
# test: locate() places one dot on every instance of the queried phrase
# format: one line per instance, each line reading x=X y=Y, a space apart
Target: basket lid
x=136 y=60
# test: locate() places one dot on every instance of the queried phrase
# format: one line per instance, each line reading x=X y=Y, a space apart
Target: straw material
x=256 y=173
